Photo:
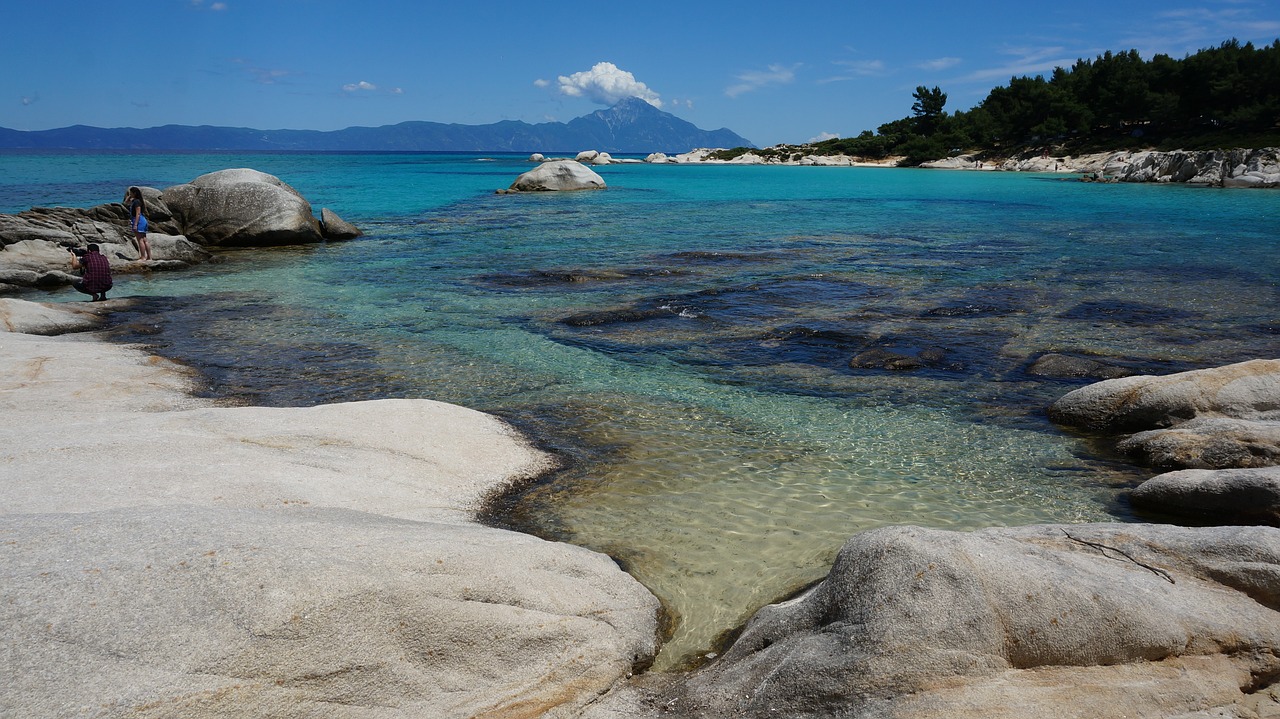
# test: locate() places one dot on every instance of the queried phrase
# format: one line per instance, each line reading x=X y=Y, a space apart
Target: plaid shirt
x=97 y=272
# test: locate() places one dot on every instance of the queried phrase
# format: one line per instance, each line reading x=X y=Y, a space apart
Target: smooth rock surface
x=1230 y=495
x=1011 y=623
x=1246 y=390
x=242 y=207
x=558 y=176
x=39 y=319
x=164 y=557
x=1207 y=443
x=230 y=207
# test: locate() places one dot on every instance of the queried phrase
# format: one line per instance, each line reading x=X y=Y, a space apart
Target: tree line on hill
x=1218 y=97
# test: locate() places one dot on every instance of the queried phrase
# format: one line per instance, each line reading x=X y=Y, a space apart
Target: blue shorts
x=142 y=225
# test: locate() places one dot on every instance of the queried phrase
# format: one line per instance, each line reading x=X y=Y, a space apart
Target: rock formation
x=229 y=207
x=558 y=176
x=1236 y=496
x=1100 y=620
x=241 y=207
x=1225 y=419
x=163 y=557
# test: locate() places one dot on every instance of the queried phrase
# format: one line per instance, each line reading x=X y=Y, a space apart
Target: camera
x=78 y=252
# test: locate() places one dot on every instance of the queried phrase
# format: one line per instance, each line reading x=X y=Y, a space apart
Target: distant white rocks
x=1216 y=168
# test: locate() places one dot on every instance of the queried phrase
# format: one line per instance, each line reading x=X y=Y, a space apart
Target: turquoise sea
x=683 y=339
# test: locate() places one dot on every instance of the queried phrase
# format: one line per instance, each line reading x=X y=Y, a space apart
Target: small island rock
x=558 y=175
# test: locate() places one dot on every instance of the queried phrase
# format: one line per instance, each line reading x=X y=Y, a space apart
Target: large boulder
x=1247 y=390
x=558 y=175
x=1101 y=620
x=1228 y=495
x=242 y=207
x=231 y=207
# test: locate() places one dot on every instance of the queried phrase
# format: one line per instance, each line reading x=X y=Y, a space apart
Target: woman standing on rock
x=138 y=221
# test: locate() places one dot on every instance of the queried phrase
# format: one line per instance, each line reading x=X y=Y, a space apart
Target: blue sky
x=771 y=71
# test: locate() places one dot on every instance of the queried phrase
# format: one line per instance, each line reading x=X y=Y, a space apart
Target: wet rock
x=888 y=358
x=1128 y=313
x=1064 y=366
x=883 y=358
x=966 y=311
x=1229 y=495
x=611 y=317
x=559 y=278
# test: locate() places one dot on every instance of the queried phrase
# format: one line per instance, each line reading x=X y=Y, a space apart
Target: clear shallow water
x=684 y=338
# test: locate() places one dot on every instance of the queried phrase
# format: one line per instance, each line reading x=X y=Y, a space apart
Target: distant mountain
x=631 y=126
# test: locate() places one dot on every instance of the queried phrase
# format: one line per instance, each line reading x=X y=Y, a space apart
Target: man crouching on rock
x=95 y=272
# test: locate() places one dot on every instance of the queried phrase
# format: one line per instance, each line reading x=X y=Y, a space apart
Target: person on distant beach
x=95 y=272
x=138 y=221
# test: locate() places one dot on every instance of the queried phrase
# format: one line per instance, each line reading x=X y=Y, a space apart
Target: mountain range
x=630 y=126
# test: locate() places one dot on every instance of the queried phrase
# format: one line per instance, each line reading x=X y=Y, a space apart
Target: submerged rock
x=1052 y=364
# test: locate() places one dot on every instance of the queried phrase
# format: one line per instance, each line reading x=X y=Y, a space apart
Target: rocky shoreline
x=164 y=556
x=1241 y=168
x=228 y=208
x=207 y=561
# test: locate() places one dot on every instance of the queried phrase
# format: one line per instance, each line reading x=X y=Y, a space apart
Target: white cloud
x=606 y=84
x=361 y=86
x=754 y=80
x=262 y=75
x=541 y=83
x=1026 y=61
x=824 y=136
x=1181 y=32
x=941 y=63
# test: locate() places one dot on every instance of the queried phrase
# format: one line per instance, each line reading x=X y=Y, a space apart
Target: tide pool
x=683 y=339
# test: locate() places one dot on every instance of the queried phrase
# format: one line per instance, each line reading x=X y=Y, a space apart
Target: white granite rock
x=163 y=557
x=557 y=176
